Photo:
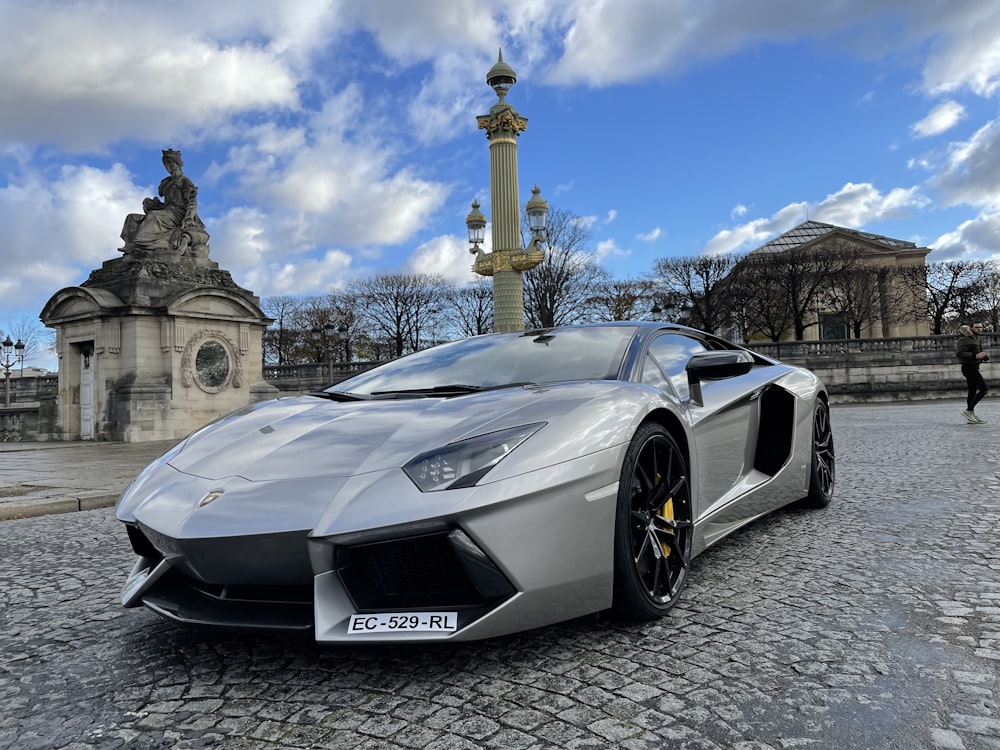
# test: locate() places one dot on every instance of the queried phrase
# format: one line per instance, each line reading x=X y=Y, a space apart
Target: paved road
x=872 y=624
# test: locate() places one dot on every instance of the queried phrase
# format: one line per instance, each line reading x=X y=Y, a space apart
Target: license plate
x=404 y=622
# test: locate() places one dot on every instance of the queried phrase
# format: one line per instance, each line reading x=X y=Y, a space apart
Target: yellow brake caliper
x=667 y=512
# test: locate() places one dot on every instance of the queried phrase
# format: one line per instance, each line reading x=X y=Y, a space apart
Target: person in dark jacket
x=970 y=353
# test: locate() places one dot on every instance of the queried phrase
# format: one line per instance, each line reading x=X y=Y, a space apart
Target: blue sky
x=333 y=140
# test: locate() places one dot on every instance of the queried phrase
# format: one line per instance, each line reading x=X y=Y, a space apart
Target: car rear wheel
x=653 y=526
x=823 y=469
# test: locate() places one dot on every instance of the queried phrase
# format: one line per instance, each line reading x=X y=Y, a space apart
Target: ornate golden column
x=508 y=259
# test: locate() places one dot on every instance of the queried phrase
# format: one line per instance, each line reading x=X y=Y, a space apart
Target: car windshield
x=585 y=353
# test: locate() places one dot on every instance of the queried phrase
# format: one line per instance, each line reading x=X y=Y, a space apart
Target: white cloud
x=447 y=256
x=339 y=185
x=650 y=236
x=940 y=119
x=755 y=233
x=972 y=172
x=973 y=239
x=115 y=70
x=305 y=276
x=966 y=49
x=314 y=166
x=631 y=40
x=410 y=32
x=853 y=206
x=607 y=249
x=58 y=229
x=924 y=162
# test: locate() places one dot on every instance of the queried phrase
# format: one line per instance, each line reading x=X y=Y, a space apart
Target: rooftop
x=808 y=231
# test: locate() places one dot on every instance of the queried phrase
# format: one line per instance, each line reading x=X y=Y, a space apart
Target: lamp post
x=12 y=354
x=507 y=260
x=327 y=338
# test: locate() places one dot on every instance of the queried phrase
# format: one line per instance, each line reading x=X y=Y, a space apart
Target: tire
x=823 y=469
x=653 y=526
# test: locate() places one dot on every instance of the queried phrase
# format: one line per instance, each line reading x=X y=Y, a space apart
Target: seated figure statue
x=170 y=225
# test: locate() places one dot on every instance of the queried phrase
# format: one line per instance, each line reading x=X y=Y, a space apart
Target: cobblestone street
x=874 y=623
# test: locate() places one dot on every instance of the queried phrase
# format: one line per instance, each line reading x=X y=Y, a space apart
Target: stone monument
x=161 y=340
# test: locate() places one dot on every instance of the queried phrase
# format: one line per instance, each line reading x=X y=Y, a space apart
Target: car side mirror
x=715 y=366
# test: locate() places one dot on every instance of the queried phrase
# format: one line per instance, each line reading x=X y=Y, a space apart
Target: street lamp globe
x=538 y=212
x=501 y=77
x=476 y=222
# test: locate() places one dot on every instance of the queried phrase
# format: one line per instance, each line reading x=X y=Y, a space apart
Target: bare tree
x=620 y=299
x=312 y=314
x=700 y=282
x=281 y=336
x=402 y=309
x=37 y=339
x=470 y=308
x=756 y=308
x=949 y=287
x=863 y=292
x=989 y=298
x=345 y=312
x=796 y=278
x=559 y=289
x=854 y=295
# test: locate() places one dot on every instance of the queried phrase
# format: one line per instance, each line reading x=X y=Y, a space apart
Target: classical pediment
x=213 y=303
x=74 y=303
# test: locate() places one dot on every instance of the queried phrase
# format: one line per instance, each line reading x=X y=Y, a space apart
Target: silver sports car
x=478 y=488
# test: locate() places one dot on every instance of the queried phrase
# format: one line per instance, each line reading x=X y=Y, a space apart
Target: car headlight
x=464 y=463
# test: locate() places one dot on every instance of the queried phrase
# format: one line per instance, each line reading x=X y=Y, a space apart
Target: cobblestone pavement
x=872 y=624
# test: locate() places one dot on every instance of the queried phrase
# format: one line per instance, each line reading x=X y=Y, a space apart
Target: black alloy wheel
x=823 y=470
x=653 y=526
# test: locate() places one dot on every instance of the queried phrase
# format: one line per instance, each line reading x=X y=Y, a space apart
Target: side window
x=672 y=352
x=653 y=375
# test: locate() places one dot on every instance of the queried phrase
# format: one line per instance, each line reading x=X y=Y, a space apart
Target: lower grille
x=432 y=571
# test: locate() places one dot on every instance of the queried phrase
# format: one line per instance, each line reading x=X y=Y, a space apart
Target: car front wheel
x=653 y=526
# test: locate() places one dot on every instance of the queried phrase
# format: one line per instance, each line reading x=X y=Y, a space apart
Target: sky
x=334 y=139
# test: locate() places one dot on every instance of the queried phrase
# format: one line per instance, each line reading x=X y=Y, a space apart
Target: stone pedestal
x=154 y=346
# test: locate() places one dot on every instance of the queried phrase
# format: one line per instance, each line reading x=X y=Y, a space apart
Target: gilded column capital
x=502 y=121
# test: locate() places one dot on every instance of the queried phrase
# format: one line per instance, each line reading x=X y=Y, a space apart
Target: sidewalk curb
x=26 y=508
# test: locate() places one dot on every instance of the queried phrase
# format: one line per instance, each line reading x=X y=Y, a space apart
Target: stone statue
x=170 y=226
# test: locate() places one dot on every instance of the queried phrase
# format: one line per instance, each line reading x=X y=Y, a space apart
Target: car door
x=722 y=424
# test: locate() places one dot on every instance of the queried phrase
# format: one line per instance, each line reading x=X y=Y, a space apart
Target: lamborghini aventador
x=478 y=488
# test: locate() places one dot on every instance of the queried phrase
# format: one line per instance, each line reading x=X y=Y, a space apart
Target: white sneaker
x=979 y=420
x=970 y=417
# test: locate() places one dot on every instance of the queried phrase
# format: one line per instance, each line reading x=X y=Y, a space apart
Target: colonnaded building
x=894 y=298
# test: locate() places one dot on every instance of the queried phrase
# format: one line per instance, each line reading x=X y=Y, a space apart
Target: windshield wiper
x=453 y=389
x=339 y=395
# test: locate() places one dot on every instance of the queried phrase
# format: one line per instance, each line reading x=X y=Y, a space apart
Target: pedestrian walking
x=970 y=353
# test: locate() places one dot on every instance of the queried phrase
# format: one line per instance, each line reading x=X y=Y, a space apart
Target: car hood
x=270 y=455
x=309 y=436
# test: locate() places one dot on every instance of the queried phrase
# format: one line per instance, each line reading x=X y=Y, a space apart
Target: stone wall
x=891 y=369
x=855 y=371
